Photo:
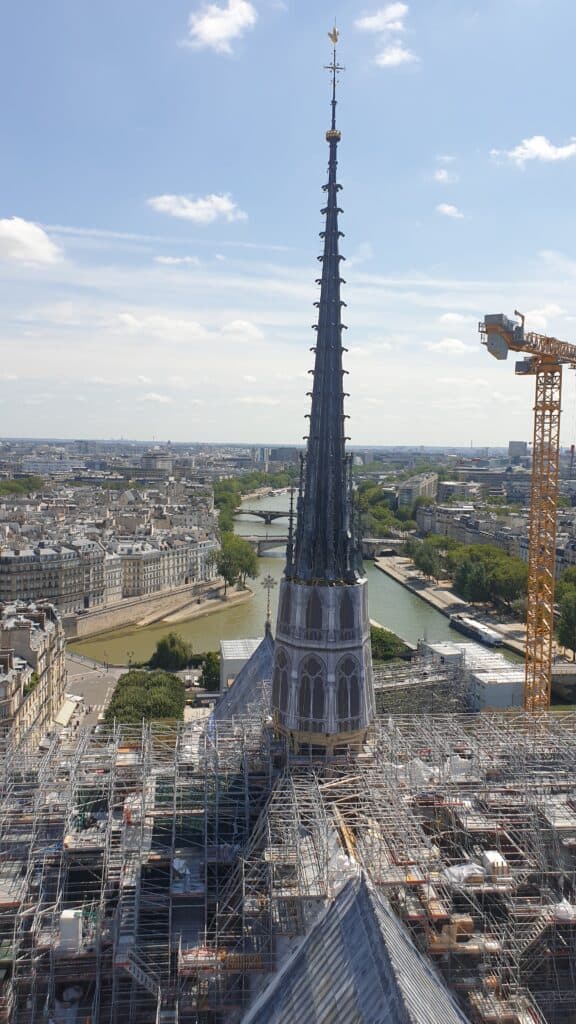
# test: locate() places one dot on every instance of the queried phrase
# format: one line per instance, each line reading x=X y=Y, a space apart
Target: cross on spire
x=334 y=67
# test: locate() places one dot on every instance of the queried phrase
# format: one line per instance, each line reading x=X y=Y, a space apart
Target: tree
x=146 y=695
x=211 y=671
x=567 y=622
x=172 y=653
x=471 y=581
x=427 y=560
x=386 y=645
x=236 y=560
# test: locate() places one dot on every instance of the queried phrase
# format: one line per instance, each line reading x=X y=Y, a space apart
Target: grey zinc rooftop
x=359 y=966
x=251 y=690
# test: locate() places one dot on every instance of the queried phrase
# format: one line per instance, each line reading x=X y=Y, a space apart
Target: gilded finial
x=334 y=35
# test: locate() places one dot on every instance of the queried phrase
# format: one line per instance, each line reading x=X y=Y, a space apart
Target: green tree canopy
x=146 y=695
x=172 y=653
x=386 y=645
x=567 y=623
x=210 y=678
x=236 y=560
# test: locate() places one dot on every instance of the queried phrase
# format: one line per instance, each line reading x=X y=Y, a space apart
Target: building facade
x=32 y=669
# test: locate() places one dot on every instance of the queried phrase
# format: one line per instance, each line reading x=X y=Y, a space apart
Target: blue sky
x=160 y=187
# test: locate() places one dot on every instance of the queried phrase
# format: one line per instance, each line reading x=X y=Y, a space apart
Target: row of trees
x=566 y=598
x=149 y=695
x=25 y=485
x=480 y=573
x=173 y=653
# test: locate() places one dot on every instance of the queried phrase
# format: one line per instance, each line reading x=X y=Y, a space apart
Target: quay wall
x=132 y=610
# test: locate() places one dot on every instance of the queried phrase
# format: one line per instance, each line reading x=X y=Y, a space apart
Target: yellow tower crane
x=544 y=361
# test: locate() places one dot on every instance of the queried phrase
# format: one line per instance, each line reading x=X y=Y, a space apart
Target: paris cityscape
x=287 y=619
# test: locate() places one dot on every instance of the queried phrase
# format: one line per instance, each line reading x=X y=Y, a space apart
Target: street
x=92 y=681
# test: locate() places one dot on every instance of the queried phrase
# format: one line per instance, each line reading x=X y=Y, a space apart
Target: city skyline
x=154 y=278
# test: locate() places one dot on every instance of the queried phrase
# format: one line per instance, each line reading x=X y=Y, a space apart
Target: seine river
x=390 y=604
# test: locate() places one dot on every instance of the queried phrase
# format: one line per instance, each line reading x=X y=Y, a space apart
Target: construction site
x=175 y=875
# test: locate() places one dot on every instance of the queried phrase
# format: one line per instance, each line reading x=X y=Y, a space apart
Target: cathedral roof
x=357 y=964
x=252 y=687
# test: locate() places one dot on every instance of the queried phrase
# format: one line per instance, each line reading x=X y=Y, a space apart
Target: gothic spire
x=326 y=546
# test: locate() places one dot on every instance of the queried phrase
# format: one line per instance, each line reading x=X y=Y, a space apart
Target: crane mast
x=546 y=356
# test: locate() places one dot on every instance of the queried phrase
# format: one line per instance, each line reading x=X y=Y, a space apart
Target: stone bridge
x=263 y=544
x=268 y=515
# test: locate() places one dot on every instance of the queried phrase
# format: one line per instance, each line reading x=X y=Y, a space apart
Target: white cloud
x=388 y=19
x=452 y=346
x=258 y=400
x=444 y=177
x=448 y=210
x=153 y=396
x=249 y=378
x=143 y=380
x=395 y=55
x=362 y=253
x=21 y=241
x=538 y=147
x=175 y=261
x=8 y=376
x=160 y=326
x=215 y=28
x=203 y=210
x=452 y=318
x=243 y=328
x=537 y=319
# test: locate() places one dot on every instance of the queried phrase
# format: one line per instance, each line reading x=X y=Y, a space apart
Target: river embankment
x=441 y=597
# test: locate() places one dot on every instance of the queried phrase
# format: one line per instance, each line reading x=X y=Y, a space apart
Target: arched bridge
x=268 y=515
x=263 y=544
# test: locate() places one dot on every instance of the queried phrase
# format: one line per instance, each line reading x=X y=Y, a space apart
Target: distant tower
x=322 y=691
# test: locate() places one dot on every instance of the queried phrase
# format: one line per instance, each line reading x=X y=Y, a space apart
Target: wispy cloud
x=164 y=327
x=176 y=261
x=538 y=147
x=216 y=28
x=258 y=400
x=387 y=23
x=387 y=19
x=204 y=210
x=452 y=318
x=243 y=329
x=395 y=55
x=449 y=210
x=22 y=241
x=450 y=346
x=153 y=396
x=445 y=177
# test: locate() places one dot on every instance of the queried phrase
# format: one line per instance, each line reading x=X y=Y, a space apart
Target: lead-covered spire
x=326 y=546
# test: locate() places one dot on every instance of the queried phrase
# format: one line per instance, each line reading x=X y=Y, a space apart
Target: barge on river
x=475 y=630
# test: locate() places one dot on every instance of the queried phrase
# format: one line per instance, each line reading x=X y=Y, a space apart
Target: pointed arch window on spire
x=311 y=694
x=314 y=616
x=348 y=694
x=280 y=686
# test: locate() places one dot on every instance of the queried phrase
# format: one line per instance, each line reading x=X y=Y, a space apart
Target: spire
x=326 y=547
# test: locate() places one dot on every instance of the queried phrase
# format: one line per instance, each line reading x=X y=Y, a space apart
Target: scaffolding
x=164 y=874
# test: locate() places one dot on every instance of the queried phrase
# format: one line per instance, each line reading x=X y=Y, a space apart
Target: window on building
x=280 y=687
x=347 y=611
x=314 y=613
x=311 y=694
x=348 y=694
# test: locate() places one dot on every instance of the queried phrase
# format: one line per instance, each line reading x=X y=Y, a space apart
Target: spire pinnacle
x=334 y=67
